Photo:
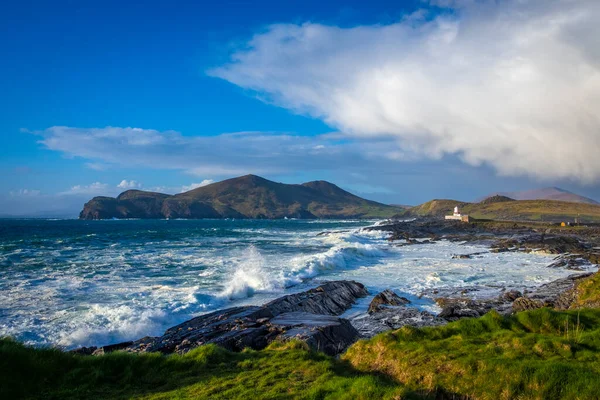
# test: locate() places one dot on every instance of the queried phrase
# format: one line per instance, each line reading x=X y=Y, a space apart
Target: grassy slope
x=208 y=372
x=534 y=210
x=540 y=354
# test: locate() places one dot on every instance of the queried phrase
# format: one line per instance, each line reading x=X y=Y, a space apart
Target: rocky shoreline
x=314 y=316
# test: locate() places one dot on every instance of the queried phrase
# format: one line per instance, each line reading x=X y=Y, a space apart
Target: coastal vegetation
x=538 y=354
x=513 y=210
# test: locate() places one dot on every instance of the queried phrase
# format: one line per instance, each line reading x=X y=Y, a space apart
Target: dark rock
x=554 y=294
x=456 y=308
x=331 y=298
x=511 y=295
x=394 y=318
x=325 y=333
x=386 y=298
x=111 y=348
x=467 y=256
x=575 y=262
x=526 y=303
x=542 y=243
x=84 y=351
x=308 y=316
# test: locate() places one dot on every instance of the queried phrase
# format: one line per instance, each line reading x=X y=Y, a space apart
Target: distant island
x=248 y=196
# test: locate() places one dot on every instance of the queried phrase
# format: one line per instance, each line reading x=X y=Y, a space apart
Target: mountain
x=550 y=193
x=505 y=208
x=248 y=196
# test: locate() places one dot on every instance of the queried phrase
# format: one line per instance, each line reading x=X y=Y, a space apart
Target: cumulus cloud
x=193 y=186
x=514 y=84
x=125 y=184
x=95 y=188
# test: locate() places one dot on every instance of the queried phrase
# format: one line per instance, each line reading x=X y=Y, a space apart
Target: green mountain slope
x=249 y=196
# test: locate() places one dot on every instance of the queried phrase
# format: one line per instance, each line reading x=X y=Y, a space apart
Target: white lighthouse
x=457 y=216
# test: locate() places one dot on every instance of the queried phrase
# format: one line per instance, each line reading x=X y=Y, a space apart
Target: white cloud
x=24 y=193
x=96 y=166
x=218 y=156
x=95 y=188
x=196 y=185
x=514 y=84
x=125 y=184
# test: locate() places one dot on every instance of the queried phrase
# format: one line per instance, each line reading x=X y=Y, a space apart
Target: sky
x=396 y=101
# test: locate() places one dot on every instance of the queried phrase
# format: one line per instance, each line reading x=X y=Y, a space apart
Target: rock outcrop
x=386 y=298
x=558 y=294
x=388 y=311
x=309 y=316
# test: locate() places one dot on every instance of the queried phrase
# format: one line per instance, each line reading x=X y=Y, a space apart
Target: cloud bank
x=222 y=155
x=513 y=84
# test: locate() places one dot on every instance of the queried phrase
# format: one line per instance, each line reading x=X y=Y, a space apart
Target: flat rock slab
x=331 y=298
x=325 y=333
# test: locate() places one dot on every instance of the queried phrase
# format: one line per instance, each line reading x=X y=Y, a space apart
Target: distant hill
x=249 y=196
x=496 y=199
x=550 y=193
x=515 y=210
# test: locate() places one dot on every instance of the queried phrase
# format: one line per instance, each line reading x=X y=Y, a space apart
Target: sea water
x=71 y=283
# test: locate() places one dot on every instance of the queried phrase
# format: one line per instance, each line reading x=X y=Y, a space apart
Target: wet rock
x=331 y=298
x=511 y=295
x=467 y=256
x=308 y=316
x=457 y=308
x=557 y=294
x=394 y=318
x=325 y=333
x=386 y=298
x=542 y=243
x=575 y=262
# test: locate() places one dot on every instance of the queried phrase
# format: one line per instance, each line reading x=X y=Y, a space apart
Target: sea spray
x=249 y=276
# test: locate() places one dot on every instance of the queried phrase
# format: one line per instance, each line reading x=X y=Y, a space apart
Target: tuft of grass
x=587 y=293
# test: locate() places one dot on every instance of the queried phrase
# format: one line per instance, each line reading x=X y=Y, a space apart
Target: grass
x=539 y=354
x=281 y=371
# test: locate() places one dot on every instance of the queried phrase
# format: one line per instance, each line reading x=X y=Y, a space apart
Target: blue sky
x=398 y=101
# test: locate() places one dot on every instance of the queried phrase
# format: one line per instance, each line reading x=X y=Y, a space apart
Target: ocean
x=70 y=283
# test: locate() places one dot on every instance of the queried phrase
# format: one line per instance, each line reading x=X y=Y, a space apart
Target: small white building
x=457 y=216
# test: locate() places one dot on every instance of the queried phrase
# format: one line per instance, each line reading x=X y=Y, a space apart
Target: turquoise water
x=70 y=283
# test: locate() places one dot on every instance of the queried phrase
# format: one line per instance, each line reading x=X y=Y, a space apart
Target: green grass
x=208 y=372
x=540 y=354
